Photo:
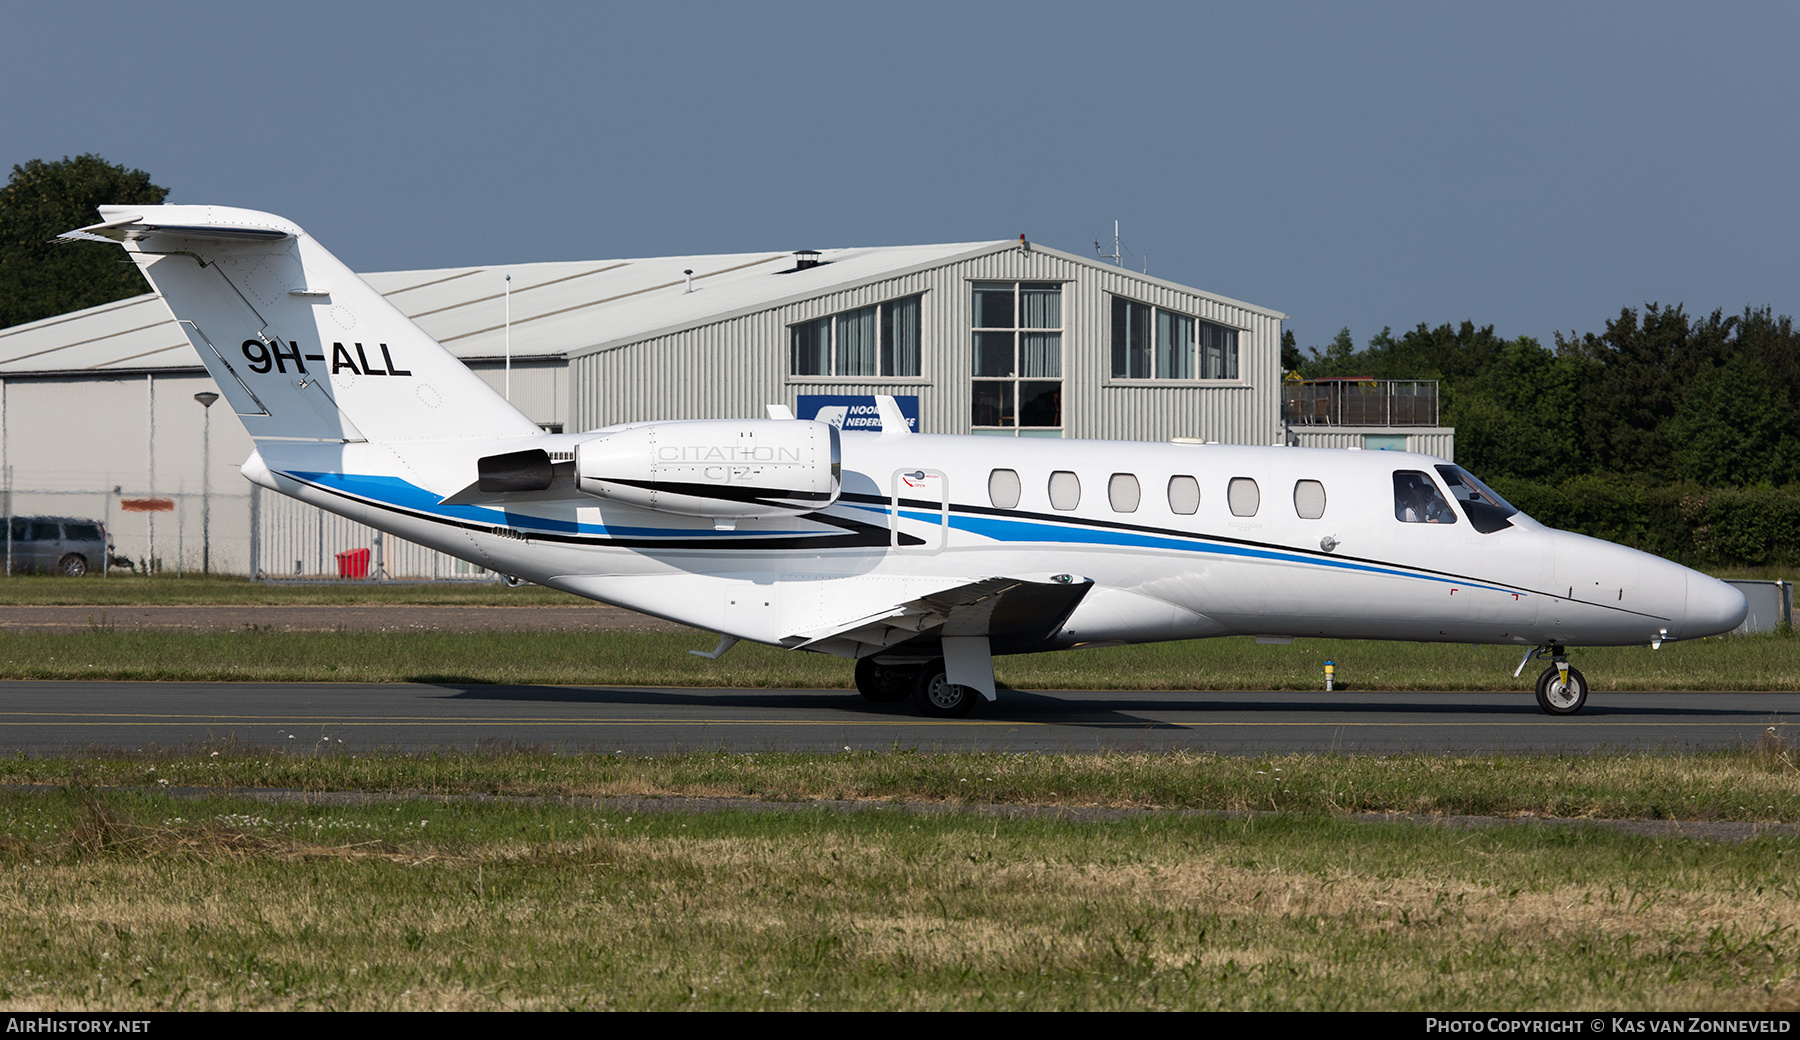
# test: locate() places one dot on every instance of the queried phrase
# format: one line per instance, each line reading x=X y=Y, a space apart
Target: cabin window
x=879 y=340
x=1003 y=488
x=1418 y=501
x=1184 y=495
x=1015 y=358
x=1309 y=499
x=1153 y=343
x=1243 y=496
x=1065 y=490
x=1123 y=492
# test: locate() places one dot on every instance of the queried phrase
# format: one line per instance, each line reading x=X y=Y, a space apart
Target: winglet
x=893 y=421
x=780 y=411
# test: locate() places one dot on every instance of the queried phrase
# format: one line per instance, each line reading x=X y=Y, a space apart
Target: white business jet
x=919 y=556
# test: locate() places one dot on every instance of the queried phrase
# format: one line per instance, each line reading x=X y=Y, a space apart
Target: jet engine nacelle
x=721 y=468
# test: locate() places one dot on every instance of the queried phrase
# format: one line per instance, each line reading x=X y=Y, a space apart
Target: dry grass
x=121 y=905
x=1758 y=784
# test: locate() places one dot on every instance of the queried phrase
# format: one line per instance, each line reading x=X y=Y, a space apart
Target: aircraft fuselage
x=920 y=507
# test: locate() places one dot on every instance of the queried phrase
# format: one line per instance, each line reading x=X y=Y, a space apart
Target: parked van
x=57 y=544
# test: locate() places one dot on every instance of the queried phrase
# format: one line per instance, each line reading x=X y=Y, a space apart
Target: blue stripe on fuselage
x=392 y=491
x=1015 y=531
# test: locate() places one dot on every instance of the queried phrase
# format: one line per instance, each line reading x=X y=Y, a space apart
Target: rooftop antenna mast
x=1115 y=256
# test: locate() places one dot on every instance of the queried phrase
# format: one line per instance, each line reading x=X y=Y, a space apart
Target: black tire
x=935 y=696
x=72 y=565
x=1556 y=699
x=883 y=684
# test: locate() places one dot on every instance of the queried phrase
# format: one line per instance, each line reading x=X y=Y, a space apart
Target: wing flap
x=1010 y=612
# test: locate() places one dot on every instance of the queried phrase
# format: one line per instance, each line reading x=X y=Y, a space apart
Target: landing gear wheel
x=883 y=684
x=936 y=696
x=1557 y=698
x=74 y=565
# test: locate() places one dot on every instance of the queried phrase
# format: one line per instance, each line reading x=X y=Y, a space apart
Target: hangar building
x=98 y=414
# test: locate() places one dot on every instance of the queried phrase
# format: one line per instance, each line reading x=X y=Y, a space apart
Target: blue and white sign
x=853 y=412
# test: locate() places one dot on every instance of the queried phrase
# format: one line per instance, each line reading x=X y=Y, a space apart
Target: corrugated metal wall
x=734 y=368
x=296 y=540
x=540 y=388
x=1429 y=440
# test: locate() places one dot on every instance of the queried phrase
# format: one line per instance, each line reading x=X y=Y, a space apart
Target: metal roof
x=558 y=309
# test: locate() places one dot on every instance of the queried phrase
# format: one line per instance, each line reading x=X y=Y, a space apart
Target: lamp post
x=206 y=399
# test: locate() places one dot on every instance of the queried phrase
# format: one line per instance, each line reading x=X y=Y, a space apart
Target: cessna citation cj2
x=918 y=556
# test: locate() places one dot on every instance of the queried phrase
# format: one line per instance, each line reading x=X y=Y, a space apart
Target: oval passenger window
x=1003 y=488
x=1309 y=499
x=1243 y=495
x=1065 y=490
x=1123 y=492
x=1184 y=495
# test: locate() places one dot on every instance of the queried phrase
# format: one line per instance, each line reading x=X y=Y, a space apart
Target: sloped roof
x=557 y=308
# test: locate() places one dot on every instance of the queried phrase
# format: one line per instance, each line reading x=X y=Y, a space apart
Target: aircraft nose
x=1713 y=607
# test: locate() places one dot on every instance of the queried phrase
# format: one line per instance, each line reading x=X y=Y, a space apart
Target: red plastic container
x=353 y=564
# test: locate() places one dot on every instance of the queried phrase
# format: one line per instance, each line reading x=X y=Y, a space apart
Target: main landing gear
x=932 y=693
x=883 y=684
x=1561 y=690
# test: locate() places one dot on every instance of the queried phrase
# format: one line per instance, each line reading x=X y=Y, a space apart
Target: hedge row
x=1718 y=527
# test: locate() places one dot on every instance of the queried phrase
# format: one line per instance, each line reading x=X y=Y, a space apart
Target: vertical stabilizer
x=301 y=347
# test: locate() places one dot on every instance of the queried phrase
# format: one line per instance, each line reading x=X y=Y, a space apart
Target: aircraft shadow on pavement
x=1014 y=705
x=1076 y=708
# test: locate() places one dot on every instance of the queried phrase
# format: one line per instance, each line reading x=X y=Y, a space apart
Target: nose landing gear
x=1561 y=690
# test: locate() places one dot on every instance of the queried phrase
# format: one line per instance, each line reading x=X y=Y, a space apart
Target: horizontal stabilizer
x=215 y=223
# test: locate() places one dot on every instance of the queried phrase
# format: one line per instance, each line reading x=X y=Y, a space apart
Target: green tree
x=1734 y=428
x=1634 y=387
x=1291 y=358
x=41 y=278
x=1520 y=415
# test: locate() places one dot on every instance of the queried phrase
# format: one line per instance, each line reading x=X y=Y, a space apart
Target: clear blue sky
x=1531 y=166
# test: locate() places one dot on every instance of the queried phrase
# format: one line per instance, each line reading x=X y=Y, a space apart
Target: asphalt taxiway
x=50 y=718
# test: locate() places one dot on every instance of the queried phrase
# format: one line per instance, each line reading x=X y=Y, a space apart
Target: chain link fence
x=251 y=532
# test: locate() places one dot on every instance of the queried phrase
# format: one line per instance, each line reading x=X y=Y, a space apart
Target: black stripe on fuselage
x=1165 y=532
x=857 y=535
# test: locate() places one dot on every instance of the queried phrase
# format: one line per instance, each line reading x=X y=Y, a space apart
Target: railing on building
x=1356 y=401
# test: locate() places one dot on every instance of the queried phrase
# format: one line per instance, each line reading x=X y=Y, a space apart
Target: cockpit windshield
x=1487 y=511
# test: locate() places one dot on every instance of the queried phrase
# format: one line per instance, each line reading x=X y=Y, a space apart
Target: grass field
x=1760 y=784
x=130 y=900
x=128 y=589
x=876 y=880
x=1767 y=662
x=1764 y=662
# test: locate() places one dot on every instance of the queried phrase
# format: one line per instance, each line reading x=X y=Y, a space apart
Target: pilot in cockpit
x=1417 y=501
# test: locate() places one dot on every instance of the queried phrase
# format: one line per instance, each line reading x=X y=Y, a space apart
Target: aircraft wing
x=1010 y=612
